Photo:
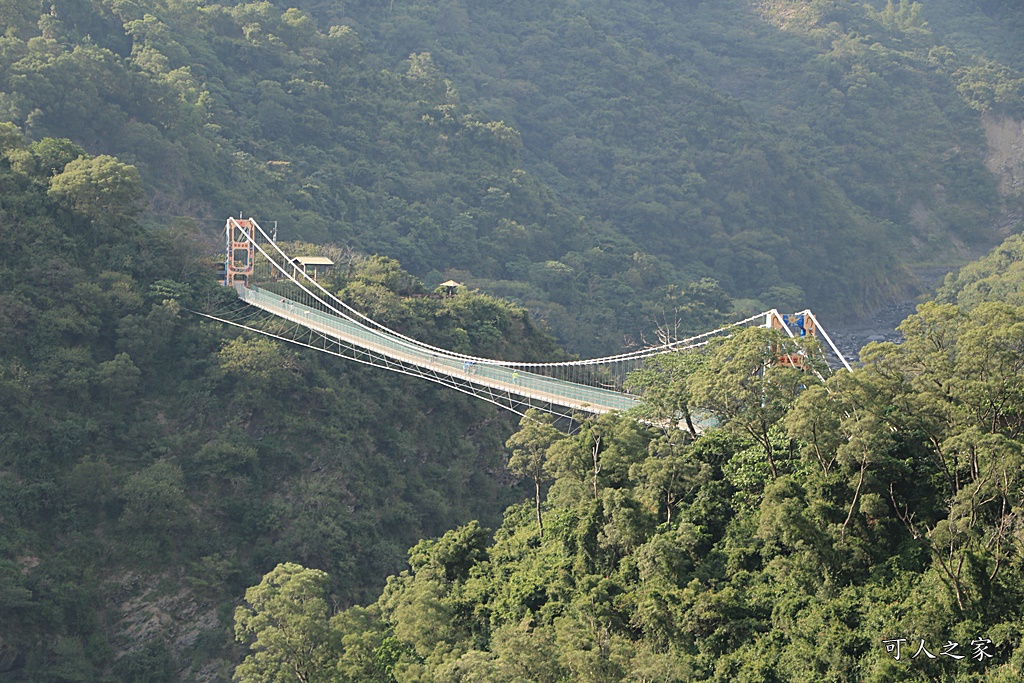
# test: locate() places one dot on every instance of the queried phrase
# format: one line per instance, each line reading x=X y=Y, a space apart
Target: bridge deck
x=492 y=375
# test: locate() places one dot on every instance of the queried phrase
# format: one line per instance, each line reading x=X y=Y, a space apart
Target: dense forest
x=589 y=161
x=599 y=173
x=151 y=464
x=863 y=527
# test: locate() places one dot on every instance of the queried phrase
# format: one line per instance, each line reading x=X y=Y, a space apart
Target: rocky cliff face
x=163 y=610
x=1006 y=153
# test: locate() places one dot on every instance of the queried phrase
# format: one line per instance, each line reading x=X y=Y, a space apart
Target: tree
x=156 y=510
x=529 y=448
x=286 y=625
x=118 y=378
x=54 y=154
x=668 y=475
x=744 y=386
x=953 y=391
x=664 y=383
x=102 y=188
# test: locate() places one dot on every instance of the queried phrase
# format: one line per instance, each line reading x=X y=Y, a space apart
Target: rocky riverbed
x=851 y=336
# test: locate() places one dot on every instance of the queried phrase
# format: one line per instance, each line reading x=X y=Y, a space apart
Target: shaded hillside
x=644 y=115
x=152 y=465
x=589 y=160
x=228 y=108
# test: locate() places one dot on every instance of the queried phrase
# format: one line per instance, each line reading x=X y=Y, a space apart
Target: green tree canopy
x=101 y=188
x=285 y=623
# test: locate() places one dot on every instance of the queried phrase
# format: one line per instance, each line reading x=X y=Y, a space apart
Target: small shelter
x=312 y=265
x=450 y=287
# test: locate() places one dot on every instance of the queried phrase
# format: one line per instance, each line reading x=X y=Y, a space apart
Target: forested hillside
x=151 y=465
x=618 y=170
x=255 y=109
x=590 y=160
x=862 y=528
x=652 y=115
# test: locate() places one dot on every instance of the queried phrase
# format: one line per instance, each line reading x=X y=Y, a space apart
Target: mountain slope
x=152 y=464
x=580 y=157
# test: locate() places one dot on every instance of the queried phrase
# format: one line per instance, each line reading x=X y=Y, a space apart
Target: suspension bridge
x=284 y=300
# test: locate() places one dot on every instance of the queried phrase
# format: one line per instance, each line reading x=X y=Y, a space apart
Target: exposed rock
x=159 y=608
x=1006 y=152
x=11 y=658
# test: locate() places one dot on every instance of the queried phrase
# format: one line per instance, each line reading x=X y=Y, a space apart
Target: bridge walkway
x=528 y=385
